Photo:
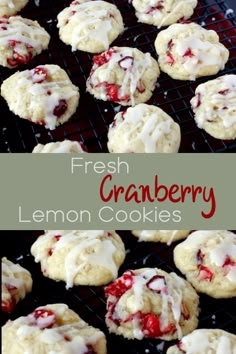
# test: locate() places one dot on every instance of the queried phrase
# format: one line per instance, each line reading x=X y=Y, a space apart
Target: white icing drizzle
x=226 y=247
x=149 y=234
x=171 y=11
x=91 y=20
x=22 y=30
x=102 y=254
x=148 y=129
x=8 y=3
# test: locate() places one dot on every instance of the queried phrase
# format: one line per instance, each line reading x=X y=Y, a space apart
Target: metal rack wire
x=89 y=302
x=90 y=123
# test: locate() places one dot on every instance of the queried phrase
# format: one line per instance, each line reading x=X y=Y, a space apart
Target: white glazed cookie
x=65 y=146
x=91 y=26
x=165 y=236
x=88 y=257
x=208 y=260
x=123 y=75
x=187 y=51
x=205 y=341
x=11 y=7
x=163 y=12
x=20 y=40
x=143 y=128
x=43 y=95
x=214 y=105
x=16 y=283
x=150 y=303
x=52 y=329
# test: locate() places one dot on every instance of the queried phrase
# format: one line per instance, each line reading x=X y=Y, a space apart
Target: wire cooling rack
x=89 y=302
x=90 y=123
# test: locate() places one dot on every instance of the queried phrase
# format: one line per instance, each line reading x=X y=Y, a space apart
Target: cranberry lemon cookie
x=150 y=303
x=65 y=146
x=187 y=51
x=208 y=260
x=20 y=40
x=11 y=7
x=88 y=257
x=123 y=75
x=143 y=128
x=43 y=95
x=91 y=26
x=163 y=12
x=52 y=329
x=16 y=283
x=214 y=105
x=205 y=341
x=165 y=236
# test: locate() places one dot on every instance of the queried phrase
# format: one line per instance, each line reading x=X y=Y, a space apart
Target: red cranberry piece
x=121 y=285
x=170 y=58
x=8 y=306
x=200 y=257
x=75 y=3
x=180 y=347
x=228 y=262
x=185 y=311
x=39 y=75
x=159 y=6
x=50 y=252
x=170 y=44
x=198 y=100
x=60 y=109
x=57 y=237
x=140 y=87
x=103 y=58
x=44 y=318
x=67 y=338
x=112 y=92
x=151 y=326
x=223 y=92
x=12 y=62
x=126 y=63
x=90 y=350
x=22 y=59
x=157 y=284
x=123 y=114
x=205 y=273
x=188 y=53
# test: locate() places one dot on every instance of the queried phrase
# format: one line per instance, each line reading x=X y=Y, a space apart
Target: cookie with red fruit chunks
x=143 y=128
x=16 y=283
x=43 y=95
x=208 y=260
x=187 y=51
x=50 y=329
x=65 y=146
x=150 y=303
x=205 y=341
x=20 y=40
x=79 y=257
x=214 y=106
x=163 y=12
x=123 y=75
x=165 y=236
x=90 y=26
x=11 y=7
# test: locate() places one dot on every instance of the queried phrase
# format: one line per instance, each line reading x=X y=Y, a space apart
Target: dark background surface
x=232 y=4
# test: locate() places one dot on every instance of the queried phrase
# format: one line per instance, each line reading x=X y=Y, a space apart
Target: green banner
x=117 y=191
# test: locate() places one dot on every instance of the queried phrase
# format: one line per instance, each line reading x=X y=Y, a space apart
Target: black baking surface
x=89 y=302
x=92 y=118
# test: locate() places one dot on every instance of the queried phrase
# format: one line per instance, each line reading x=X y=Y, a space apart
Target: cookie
x=11 y=7
x=16 y=283
x=79 y=257
x=205 y=341
x=165 y=236
x=123 y=75
x=208 y=260
x=163 y=12
x=150 y=303
x=20 y=40
x=143 y=128
x=91 y=26
x=65 y=146
x=52 y=329
x=214 y=106
x=187 y=51
x=43 y=95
